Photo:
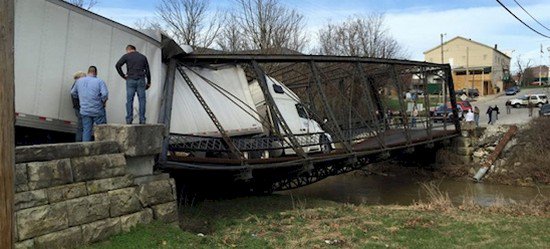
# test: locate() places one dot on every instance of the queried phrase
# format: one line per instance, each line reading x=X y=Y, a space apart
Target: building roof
x=469 y=40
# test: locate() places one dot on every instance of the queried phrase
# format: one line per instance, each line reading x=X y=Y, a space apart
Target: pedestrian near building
x=490 y=114
x=76 y=107
x=137 y=72
x=530 y=106
x=497 y=112
x=414 y=115
x=470 y=117
x=92 y=94
x=476 y=115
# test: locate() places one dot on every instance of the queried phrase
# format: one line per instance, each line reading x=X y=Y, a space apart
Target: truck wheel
x=325 y=144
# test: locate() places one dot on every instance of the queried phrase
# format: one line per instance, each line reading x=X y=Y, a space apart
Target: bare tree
x=189 y=21
x=264 y=25
x=525 y=72
x=85 y=4
x=146 y=23
x=231 y=38
x=359 y=36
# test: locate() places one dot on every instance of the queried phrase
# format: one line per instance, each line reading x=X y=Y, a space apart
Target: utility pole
x=7 y=114
x=540 y=65
x=468 y=69
x=443 y=88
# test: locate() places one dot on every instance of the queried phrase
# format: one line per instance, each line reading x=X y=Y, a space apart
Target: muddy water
x=358 y=188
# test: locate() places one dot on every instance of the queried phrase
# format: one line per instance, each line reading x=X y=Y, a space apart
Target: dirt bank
x=527 y=162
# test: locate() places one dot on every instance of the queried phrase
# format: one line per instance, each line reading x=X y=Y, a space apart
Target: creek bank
x=524 y=161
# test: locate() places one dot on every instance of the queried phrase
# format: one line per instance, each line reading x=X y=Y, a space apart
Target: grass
x=286 y=222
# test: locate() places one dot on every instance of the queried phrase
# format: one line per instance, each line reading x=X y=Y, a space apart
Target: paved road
x=517 y=115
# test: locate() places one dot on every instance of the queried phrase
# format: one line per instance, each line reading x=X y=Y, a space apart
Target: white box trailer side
x=189 y=117
x=53 y=40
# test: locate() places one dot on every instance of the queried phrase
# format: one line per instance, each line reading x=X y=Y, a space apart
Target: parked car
x=537 y=99
x=536 y=83
x=544 y=111
x=472 y=92
x=465 y=105
x=512 y=90
x=438 y=115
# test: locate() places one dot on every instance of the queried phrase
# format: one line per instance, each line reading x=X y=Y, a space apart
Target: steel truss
x=350 y=93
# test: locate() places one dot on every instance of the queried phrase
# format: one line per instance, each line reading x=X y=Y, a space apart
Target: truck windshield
x=301 y=111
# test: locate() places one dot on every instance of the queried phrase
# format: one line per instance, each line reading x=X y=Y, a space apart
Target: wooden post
x=7 y=114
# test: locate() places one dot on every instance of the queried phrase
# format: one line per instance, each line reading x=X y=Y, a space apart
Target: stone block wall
x=72 y=194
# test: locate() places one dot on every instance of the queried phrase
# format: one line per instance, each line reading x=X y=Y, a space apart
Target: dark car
x=472 y=92
x=544 y=111
x=438 y=115
x=512 y=90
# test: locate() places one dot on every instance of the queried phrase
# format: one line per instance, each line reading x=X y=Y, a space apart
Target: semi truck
x=54 y=39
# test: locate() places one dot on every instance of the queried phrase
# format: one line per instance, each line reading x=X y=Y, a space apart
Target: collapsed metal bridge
x=359 y=101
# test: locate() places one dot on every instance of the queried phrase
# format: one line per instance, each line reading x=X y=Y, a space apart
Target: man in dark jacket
x=137 y=70
x=490 y=114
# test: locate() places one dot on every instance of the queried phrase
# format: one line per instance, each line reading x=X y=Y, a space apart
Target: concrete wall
x=72 y=194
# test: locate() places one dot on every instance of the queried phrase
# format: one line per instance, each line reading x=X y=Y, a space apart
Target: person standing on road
x=414 y=115
x=76 y=107
x=490 y=114
x=92 y=94
x=508 y=107
x=476 y=115
x=470 y=119
x=137 y=71
x=530 y=106
x=497 y=112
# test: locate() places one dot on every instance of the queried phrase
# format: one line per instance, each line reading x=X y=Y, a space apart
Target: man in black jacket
x=137 y=71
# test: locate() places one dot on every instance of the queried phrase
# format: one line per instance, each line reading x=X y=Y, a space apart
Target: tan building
x=475 y=65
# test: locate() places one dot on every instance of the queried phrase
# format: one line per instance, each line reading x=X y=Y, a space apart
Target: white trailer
x=53 y=40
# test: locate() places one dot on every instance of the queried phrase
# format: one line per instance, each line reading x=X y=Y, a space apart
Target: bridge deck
x=391 y=139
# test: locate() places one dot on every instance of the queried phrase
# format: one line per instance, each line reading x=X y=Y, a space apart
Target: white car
x=537 y=99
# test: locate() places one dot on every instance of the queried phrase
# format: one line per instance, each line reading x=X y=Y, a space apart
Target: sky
x=415 y=24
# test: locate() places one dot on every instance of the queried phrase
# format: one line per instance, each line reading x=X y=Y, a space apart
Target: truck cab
x=301 y=123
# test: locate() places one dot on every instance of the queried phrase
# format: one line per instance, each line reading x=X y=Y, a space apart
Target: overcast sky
x=415 y=24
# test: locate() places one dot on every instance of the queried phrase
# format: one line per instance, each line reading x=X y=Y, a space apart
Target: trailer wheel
x=325 y=144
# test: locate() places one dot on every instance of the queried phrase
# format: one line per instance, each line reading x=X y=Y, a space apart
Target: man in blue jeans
x=92 y=94
x=137 y=69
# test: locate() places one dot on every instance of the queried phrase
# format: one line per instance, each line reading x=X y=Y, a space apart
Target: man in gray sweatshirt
x=137 y=71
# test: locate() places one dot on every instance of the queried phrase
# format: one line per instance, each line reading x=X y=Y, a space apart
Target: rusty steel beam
x=262 y=58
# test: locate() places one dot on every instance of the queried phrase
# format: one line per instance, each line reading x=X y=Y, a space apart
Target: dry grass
x=529 y=161
x=438 y=200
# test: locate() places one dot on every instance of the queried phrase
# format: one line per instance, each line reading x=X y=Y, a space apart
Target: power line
x=531 y=15
x=511 y=13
